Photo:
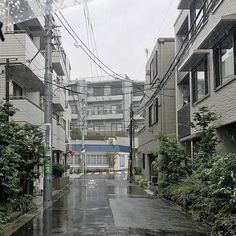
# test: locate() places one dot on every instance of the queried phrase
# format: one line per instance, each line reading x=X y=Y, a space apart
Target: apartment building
x=24 y=47
x=107 y=106
x=157 y=105
x=205 y=33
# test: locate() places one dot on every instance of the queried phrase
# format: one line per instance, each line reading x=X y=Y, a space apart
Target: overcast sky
x=122 y=29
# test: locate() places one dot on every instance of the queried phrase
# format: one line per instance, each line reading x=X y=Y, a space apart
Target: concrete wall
x=221 y=100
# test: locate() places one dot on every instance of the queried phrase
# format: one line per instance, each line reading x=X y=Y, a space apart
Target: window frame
x=150 y=111
x=217 y=62
x=194 y=72
x=153 y=68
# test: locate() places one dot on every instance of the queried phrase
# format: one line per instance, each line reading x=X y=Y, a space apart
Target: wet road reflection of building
x=105 y=204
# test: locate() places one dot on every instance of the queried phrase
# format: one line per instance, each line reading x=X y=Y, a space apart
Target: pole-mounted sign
x=48 y=146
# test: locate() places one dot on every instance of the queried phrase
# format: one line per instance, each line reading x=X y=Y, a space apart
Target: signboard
x=47 y=138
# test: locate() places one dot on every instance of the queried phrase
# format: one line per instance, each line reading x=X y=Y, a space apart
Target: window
x=17 y=90
x=116 y=89
x=224 y=60
x=74 y=109
x=153 y=113
x=96 y=160
x=200 y=80
x=98 y=91
x=156 y=111
x=150 y=112
x=116 y=109
x=107 y=90
x=143 y=160
x=64 y=124
x=153 y=68
x=95 y=110
x=122 y=160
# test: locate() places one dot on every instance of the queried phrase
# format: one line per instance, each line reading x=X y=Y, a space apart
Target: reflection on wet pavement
x=104 y=204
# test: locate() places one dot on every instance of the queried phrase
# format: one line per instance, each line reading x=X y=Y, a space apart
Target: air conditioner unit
x=111 y=141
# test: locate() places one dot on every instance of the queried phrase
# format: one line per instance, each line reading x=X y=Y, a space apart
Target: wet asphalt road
x=105 y=204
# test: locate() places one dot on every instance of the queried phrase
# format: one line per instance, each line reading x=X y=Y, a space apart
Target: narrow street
x=105 y=204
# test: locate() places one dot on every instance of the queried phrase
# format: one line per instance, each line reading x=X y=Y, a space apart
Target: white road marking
x=111 y=172
x=119 y=173
x=96 y=173
x=149 y=192
x=89 y=173
x=104 y=173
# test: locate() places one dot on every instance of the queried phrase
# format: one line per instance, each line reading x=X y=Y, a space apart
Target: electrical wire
x=77 y=36
x=184 y=47
x=118 y=77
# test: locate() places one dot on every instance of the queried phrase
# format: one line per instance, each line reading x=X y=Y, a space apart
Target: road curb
x=13 y=226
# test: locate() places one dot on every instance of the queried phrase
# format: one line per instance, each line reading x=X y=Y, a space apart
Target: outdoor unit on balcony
x=111 y=141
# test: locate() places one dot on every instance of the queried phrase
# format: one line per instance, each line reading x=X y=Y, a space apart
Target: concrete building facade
x=107 y=105
x=157 y=106
x=107 y=117
x=24 y=47
x=205 y=75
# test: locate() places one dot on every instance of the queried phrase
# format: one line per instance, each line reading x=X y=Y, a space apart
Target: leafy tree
x=28 y=144
x=76 y=134
x=21 y=149
x=203 y=123
x=171 y=160
x=9 y=181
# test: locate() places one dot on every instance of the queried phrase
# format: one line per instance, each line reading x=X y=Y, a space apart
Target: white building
x=24 y=46
x=205 y=75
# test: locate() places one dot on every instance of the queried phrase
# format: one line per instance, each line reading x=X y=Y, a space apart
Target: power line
x=78 y=45
x=182 y=50
x=77 y=36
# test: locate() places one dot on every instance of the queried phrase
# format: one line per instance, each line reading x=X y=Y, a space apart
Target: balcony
x=223 y=27
x=19 y=45
x=105 y=117
x=27 y=112
x=105 y=98
x=59 y=103
x=60 y=63
x=186 y=4
x=184 y=128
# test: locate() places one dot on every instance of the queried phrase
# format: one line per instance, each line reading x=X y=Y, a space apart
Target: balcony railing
x=26 y=107
x=184 y=128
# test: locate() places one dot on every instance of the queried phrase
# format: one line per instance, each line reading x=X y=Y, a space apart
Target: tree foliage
x=204 y=124
x=171 y=160
x=21 y=150
x=209 y=192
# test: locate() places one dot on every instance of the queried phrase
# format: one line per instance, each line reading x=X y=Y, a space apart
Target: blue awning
x=100 y=148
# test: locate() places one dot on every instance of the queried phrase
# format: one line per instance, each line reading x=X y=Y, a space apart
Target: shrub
x=139 y=179
x=58 y=170
x=171 y=160
x=137 y=170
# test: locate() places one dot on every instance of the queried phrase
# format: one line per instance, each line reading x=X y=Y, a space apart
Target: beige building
x=205 y=34
x=157 y=106
x=24 y=47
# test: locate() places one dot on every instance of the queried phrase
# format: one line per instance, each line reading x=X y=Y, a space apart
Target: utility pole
x=7 y=68
x=47 y=193
x=131 y=134
x=83 y=134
